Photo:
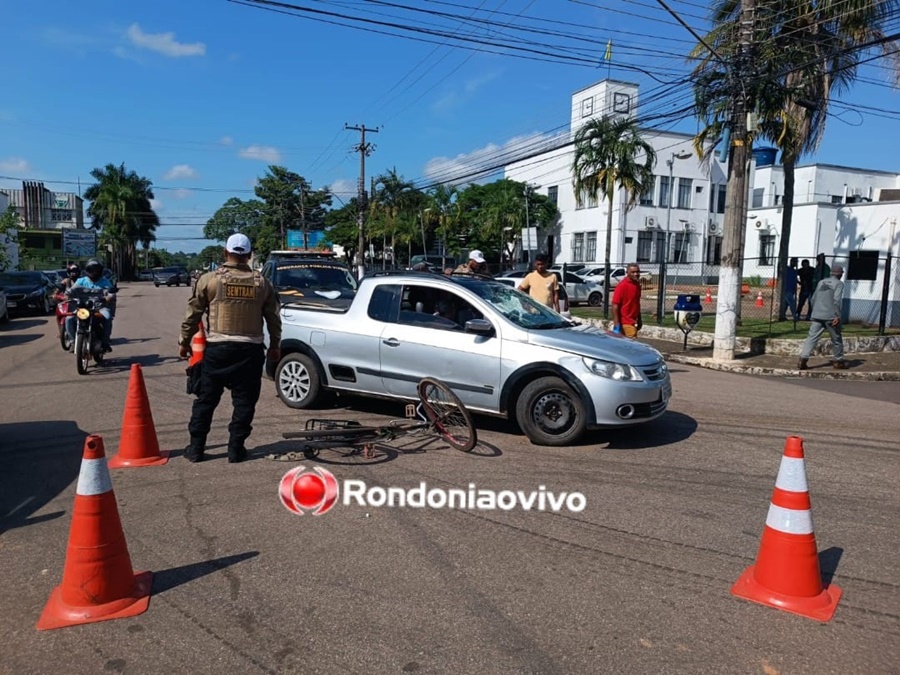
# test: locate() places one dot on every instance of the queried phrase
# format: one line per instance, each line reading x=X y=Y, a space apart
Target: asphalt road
x=637 y=582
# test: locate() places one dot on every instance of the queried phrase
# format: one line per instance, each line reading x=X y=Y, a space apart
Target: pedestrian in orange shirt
x=626 y=303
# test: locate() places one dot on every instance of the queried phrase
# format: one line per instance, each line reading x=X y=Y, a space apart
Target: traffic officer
x=235 y=299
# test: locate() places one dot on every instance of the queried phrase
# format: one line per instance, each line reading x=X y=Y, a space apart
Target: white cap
x=238 y=243
x=477 y=256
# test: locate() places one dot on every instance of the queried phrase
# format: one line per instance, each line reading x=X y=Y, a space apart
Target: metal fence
x=871 y=292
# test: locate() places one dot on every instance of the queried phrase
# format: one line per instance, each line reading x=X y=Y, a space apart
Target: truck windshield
x=315 y=276
x=519 y=308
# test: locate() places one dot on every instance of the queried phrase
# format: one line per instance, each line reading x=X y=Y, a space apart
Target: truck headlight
x=614 y=371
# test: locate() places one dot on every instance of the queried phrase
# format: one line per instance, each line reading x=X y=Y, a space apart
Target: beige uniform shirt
x=541 y=287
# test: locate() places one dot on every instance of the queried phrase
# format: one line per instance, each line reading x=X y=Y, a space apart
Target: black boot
x=236 y=450
x=194 y=451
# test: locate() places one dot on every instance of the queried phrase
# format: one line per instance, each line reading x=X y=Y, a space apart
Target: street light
x=661 y=294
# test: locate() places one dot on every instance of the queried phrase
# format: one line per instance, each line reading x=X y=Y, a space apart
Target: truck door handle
x=392 y=342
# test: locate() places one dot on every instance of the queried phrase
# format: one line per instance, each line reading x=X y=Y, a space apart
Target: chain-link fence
x=871 y=302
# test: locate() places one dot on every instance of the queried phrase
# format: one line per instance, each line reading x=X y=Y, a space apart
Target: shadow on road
x=117 y=365
x=165 y=580
x=130 y=341
x=672 y=427
x=829 y=559
x=10 y=340
x=40 y=460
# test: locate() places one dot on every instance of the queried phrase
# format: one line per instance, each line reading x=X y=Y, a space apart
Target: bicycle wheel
x=447 y=414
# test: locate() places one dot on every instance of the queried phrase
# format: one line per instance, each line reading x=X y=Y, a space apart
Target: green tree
x=120 y=208
x=610 y=153
x=805 y=53
x=341 y=228
x=9 y=230
x=442 y=213
x=397 y=203
x=291 y=203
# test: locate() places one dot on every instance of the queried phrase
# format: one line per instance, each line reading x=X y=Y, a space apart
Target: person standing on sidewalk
x=826 y=315
x=542 y=285
x=626 y=303
x=236 y=299
x=789 y=300
x=805 y=280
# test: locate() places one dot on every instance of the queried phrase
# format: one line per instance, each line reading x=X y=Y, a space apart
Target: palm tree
x=395 y=197
x=806 y=52
x=443 y=209
x=610 y=153
x=121 y=209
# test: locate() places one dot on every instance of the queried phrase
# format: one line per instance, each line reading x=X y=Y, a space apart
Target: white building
x=42 y=209
x=837 y=210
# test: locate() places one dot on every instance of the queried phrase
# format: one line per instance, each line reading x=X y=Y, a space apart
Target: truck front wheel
x=550 y=412
x=297 y=381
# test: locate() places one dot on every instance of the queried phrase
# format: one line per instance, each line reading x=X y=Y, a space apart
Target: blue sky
x=200 y=96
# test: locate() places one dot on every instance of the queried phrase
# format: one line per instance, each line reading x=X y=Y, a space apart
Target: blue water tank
x=765 y=156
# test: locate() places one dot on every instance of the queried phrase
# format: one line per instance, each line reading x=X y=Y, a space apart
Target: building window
x=767 y=249
x=758 y=196
x=590 y=253
x=578 y=247
x=660 y=247
x=664 y=191
x=835 y=199
x=644 y=246
x=553 y=194
x=592 y=200
x=684 y=193
x=681 y=248
x=61 y=215
x=586 y=200
x=720 y=200
x=713 y=250
x=646 y=198
x=587 y=107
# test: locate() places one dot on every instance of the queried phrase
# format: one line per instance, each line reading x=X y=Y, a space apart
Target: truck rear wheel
x=297 y=381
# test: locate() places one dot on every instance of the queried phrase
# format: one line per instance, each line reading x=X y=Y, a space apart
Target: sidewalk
x=876 y=366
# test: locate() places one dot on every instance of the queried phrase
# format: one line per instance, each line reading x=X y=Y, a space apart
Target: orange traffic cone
x=708 y=299
x=198 y=345
x=786 y=574
x=759 y=299
x=139 y=445
x=98 y=581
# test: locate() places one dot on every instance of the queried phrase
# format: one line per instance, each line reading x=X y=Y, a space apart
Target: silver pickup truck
x=501 y=352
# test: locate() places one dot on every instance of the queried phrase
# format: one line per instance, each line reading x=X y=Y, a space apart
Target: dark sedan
x=28 y=291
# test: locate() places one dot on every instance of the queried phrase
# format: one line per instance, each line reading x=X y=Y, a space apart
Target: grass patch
x=750 y=327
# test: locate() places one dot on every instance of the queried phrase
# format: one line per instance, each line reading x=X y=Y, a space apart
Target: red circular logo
x=302 y=491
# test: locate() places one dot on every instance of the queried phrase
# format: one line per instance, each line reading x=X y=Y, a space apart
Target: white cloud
x=15 y=165
x=471 y=166
x=163 y=43
x=264 y=153
x=156 y=204
x=180 y=171
x=226 y=140
x=343 y=188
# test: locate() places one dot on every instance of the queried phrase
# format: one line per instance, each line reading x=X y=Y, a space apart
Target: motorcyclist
x=73 y=271
x=93 y=280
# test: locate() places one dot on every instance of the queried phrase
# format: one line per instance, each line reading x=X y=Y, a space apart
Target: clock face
x=587 y=107
x=621 y=103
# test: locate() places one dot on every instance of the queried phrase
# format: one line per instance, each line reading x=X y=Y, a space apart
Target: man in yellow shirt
x=542 y=285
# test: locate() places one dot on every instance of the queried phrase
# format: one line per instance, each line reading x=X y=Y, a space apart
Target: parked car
x=28 y=291
x=4 y=312
x=145 y=275
x=56 y=276
x=617 y=274
x=577 y=289
x=502 y=353
x=311 y=278
x=170 y=276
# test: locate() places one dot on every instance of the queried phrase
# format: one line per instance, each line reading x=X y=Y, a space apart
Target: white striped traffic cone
x=786 y=574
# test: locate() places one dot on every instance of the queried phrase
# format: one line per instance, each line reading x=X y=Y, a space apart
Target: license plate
x=10 y=303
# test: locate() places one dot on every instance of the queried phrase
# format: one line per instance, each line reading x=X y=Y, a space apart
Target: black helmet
x=73 y=271
x=94 y=269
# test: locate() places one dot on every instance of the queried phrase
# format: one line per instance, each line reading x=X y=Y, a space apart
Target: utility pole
x=364 y=149
x=303 y=217
x=735 y=220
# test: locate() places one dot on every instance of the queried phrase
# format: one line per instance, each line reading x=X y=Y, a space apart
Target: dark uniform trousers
x=236 y=366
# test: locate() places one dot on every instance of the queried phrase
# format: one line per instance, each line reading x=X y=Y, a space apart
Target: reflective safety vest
x=236 y=299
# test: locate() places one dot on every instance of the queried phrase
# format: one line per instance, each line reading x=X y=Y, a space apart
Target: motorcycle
x=62 y=311
x=85 y=304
